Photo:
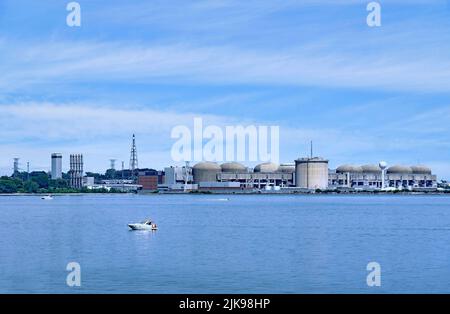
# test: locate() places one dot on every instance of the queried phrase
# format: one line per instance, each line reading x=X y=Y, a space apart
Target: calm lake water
x=248 y=244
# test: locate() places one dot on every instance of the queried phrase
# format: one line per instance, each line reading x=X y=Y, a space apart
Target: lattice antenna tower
x=133 y=155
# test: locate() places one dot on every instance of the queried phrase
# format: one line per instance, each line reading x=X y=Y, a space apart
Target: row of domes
x=235 y=167
x=398 y=169
x=269 y=167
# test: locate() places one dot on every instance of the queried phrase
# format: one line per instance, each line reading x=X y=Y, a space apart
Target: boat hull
x=141 y=227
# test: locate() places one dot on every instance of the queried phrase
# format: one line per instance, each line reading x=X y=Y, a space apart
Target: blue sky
x=312 y=67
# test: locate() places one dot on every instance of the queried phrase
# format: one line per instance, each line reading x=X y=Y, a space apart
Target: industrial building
x=56 y=172
x=76 y=171
x=149 y=179
x=311 y=173
x=373 y=177
x=119 y=185
x=177 y=175
x=235 y=176
x=263 y=176
x=179 y=179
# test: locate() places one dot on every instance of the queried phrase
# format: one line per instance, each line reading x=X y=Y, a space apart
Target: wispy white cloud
x=202 y=43
x=217 y=14
x=58 y=63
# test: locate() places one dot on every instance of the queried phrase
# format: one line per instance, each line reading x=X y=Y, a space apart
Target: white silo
x=56 y=166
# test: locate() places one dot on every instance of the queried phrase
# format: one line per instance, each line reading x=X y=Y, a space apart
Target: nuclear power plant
x=303 y=175
x=306 y=174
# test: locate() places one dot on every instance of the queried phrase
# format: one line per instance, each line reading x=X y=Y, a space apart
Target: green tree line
x=40 y=182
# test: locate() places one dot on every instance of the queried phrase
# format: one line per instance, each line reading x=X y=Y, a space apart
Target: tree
x=41 y=178
x=30 y=187
x=110 y=174
x=57 y=184
x=9 y=185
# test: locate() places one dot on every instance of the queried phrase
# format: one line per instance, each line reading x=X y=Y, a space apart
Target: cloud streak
x=144 y=68
x=115 y=62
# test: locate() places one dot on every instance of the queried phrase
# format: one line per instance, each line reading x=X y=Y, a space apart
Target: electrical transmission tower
x=133 y=156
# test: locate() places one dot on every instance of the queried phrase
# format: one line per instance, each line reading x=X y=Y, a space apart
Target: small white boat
x=218 y=199
x=144 y=225
x=47 y=197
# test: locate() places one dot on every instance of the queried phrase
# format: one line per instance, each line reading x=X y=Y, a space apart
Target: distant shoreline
x=235 y=193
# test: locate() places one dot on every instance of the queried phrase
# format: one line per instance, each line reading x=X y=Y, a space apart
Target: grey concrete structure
x=371 y=177
x=56 y=166
x=287 y=168
x=267 y=167
x=258 y=180
x=233 y=167
x=76 y=171
x=264 y=175
x=177 y=175
x=206 y=172
x=311 y=173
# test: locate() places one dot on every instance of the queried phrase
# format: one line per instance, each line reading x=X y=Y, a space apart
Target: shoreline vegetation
x=40 y=183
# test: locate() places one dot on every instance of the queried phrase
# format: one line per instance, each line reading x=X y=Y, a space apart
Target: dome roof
x=233 y=167
x=266 y=167
x=287 y=168
x=371 y=168
x=348 y=168
x=207 y=165
x=420 y=169
x=399 y=169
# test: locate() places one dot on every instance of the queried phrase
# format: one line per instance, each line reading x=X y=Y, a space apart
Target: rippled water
x=248 y=244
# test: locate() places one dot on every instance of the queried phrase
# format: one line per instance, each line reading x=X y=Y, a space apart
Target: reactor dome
x=348 y=168
x=420 y=169
x=205 y=172
x=207 y=165
x=286 y=168
x=371 y=168
x=398 y=169
x=266 y=167
x=233 y=167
